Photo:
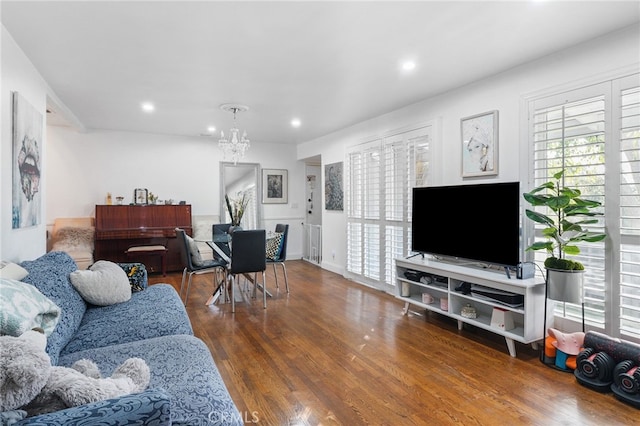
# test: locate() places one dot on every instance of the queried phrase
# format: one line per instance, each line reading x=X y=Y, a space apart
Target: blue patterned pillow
x=137 y=274
x=274 y=246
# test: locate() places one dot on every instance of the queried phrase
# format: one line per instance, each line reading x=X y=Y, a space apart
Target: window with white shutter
x=353 y=201
x=380 y=175
x=593 y=134
x=628 y=92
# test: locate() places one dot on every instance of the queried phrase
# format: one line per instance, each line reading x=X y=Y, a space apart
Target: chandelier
x=233 y=147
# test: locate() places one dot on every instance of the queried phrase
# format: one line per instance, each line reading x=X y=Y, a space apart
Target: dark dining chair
x=248 y=256
x=281 y=256
x=208 y=266
x=219 y=235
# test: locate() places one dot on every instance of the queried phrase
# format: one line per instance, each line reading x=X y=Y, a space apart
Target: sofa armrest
x=150 y=407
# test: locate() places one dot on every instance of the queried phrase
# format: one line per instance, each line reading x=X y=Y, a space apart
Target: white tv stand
x=527 y=318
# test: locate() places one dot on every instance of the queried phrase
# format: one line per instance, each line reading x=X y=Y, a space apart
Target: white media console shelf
x=442 y=297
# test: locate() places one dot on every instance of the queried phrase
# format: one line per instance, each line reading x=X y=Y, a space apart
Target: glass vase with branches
x=236 y=207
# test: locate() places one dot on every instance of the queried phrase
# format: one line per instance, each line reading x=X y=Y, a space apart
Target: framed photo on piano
x=140 y=196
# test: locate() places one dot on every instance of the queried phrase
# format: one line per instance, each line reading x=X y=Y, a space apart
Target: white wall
x=504 y=92
x=19 y=75
x=84 y=166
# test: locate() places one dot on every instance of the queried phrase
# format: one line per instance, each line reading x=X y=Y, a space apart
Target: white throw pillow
x=12 y=271
x=196 y=257
x=104 y=283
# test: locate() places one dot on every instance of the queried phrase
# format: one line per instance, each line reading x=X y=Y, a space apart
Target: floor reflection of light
x=302 y=419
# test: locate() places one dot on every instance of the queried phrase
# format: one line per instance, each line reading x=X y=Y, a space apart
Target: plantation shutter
x=395 y=176
x=378 y=214
x=363 y=212
x=371 y=204
x=571 y=136
x=594 y=135
x=353 y=200
x=628 y=93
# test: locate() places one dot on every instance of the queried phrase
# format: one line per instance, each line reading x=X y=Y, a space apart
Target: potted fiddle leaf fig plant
x=565 y=227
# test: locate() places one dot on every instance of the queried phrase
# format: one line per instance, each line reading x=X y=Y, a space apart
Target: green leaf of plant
x=593 y=238
x=558 y=202
x=572 y=250
x=571 y=227
x=587 y=222
x=539 y=217
x=540 y=245
x=550 y=232
x=570 y=192
x=546 y=185
x=582 y=211
x=587 y=203
x=536 y=200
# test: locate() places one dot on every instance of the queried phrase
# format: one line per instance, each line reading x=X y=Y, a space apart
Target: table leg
x=512 y=346
x=260 y=286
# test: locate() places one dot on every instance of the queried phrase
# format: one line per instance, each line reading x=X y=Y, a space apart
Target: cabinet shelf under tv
x=527 y=323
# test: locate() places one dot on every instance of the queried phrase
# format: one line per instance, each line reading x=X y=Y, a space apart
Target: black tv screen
x=475 y=222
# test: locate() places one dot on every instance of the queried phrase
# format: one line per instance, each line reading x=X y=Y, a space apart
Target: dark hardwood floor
x=334 y=352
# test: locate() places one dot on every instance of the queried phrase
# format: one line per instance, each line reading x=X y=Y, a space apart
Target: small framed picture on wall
x=275 y=186
x=480 y=144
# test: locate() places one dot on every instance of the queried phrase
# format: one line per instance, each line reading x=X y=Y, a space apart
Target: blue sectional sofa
x=185 y=388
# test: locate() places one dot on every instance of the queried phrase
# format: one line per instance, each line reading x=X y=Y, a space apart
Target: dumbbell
x=626 y=376
x=596 y=365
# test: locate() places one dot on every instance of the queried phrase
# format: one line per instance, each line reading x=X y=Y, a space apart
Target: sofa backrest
x=50 y=274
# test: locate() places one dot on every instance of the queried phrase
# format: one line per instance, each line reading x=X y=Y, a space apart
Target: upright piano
x=119 y=227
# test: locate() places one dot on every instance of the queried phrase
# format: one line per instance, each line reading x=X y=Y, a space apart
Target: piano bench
x=136 y=252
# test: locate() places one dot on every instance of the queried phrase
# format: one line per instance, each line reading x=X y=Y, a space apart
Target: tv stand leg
x=405 y=311
x=512 y=346
x=460 y=324
x=534 y=346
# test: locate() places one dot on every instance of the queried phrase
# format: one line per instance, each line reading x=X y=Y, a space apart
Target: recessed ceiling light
x=408 y=65
x=211 y=129
x=296 y=122
x=148 y=107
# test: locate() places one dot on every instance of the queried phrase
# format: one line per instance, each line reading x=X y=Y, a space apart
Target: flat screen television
x=471 y=222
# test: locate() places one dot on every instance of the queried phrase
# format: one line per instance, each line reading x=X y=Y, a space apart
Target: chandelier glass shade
x=234 y=147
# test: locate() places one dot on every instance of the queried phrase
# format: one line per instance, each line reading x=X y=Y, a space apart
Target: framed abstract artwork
x=333 y=193
x=26 y=205
x=275 y=186
x=480 y=144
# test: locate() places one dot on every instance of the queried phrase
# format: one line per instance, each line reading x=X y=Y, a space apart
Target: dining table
x=222 y=244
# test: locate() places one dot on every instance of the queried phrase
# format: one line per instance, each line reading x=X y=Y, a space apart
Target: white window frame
x=358 y=265
x=611 y=88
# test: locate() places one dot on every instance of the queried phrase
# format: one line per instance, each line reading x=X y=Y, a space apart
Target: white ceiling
x=331 y=64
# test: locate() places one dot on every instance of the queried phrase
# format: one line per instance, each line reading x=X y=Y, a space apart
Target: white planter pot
x=565 y=286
